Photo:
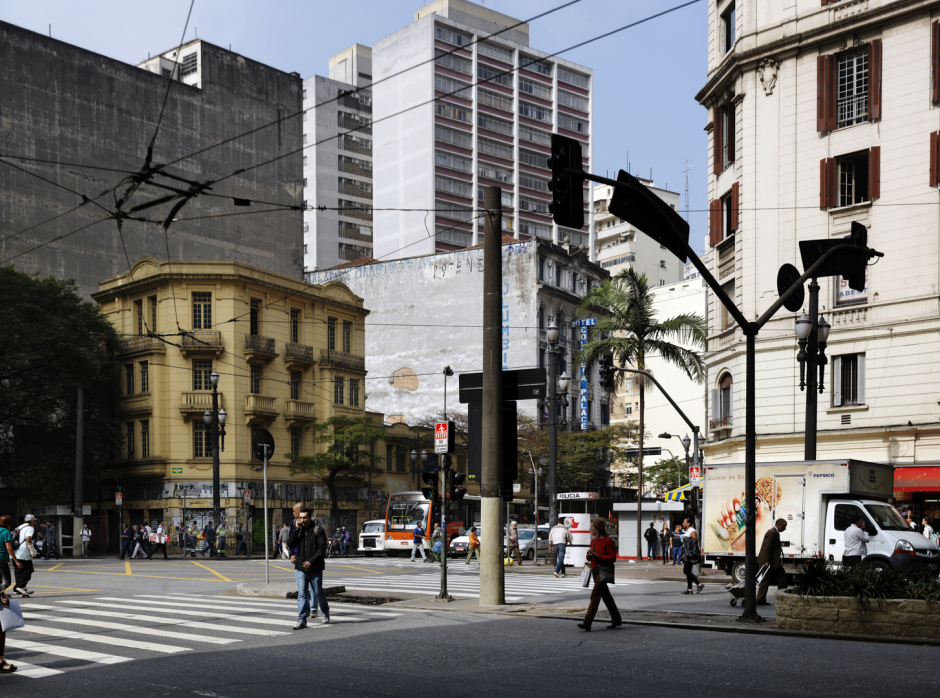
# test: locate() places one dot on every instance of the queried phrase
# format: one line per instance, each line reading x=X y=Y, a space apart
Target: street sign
x=444 y=437
x=650 y=451
x=177 y=471
x=247 y=494
x=695 y=476
x=578 y=495
x=118 y=498
x=523 y=384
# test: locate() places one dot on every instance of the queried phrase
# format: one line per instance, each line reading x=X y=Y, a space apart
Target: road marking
x=101 y=639
x=250 y=607
x=55 y=567
x=69 y=652
x=142 y=576
x=221 y=615
x=37 y=586
x=127 y=567
x=221 y=576
x=358 y=569
x=34 y=672
x=131 y=628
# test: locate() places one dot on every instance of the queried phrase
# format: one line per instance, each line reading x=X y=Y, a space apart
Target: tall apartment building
x=482 y=115
x=338 y=161
x=822 y=115
x=619 y=246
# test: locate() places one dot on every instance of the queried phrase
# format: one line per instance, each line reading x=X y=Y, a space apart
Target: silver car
x=527 y=540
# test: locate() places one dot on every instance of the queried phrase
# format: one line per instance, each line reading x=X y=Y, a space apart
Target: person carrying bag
x=601 y=556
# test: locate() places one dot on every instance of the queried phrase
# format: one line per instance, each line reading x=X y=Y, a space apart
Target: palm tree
x=628 y=329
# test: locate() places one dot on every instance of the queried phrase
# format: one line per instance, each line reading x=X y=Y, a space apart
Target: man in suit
x=771 y=552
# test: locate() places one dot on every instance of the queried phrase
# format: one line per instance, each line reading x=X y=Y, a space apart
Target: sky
x=645 y=78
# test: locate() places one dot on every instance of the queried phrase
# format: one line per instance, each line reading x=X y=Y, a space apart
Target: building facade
x=81 y=116
x=458 y=114
x=821 y=115
x=338 y=161
x=287 y=354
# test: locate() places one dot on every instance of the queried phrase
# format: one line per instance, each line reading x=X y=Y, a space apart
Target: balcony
x=141 y=345
x=353 y=190
x=141 y=403
x=300 y=411
x=196 y=402
x=259 y=348
x=299 y=355
x=202 y=342
x=339 y=359
x=260 y=408
x=725 y=422
x=726 y=258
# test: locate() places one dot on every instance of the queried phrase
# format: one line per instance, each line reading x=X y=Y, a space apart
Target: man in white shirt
x=24 y=557
x=160 y=544
x=855 y=541
x=558 y=541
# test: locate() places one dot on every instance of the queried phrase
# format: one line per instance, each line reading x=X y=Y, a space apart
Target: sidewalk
x=647 y=570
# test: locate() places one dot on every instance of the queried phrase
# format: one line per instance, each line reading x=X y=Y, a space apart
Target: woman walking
x=664 y=541
x=5 y=667
x=691 y=556
x=601 y=555
x=6 y=552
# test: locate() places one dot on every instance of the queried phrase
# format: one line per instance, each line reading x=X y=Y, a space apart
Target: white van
x=372 y=537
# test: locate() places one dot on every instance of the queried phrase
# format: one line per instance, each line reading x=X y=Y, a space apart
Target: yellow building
x=287 y=353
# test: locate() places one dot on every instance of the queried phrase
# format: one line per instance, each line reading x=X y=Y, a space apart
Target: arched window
x=723 y=402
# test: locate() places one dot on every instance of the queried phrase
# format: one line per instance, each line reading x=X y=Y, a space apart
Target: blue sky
x=645 y=78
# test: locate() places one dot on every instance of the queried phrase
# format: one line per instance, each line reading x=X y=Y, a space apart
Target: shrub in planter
x=818 y=577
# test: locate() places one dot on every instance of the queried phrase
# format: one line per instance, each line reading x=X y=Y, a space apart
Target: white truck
x=818 y=500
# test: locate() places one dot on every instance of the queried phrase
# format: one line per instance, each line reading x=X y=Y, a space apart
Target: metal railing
x=202 y=339
x=257 y=343
x=721 y=422
x=343 y=360
x=353 y=103
x=298 y=352
x=354 y=168
x=142 y=343
x=852 y=110
x=361 y=126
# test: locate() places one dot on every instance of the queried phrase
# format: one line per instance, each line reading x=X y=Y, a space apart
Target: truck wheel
x=880 y=565
x=737 y=571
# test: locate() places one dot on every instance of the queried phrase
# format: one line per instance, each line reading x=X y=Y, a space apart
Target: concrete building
x=427 y=313
x=79 y=113
x=481 y=115
x=338 y=161
x=621 y=246
x=293 y=354
x=821 y=115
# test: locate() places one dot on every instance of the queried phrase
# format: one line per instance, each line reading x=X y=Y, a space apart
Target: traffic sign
x=444 y=437
x=695 y=476
x=523 y=384
x=118 y=498
x=247 y=494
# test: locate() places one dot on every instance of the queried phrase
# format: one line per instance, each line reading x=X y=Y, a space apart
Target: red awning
x=917 y=479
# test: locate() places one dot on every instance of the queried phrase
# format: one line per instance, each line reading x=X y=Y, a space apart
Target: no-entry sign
x=695 y=476
x=118 y=498
x=444 y=437
x=247 y=494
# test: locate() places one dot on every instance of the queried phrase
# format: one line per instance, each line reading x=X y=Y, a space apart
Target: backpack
x=651 y=535
x=15 y=536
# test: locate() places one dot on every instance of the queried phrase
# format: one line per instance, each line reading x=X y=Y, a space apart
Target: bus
x=405 y=511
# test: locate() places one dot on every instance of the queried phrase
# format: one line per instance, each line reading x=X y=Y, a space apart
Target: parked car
x=527 y=542
x=372 y=537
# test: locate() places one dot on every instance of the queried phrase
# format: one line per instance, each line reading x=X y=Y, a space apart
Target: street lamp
x=553 y=381
x=564 y=380
x=685 y=441
x=678 y=469
x=812 y=354
x=215 y=432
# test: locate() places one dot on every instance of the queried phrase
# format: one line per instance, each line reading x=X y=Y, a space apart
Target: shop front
x=917 y=490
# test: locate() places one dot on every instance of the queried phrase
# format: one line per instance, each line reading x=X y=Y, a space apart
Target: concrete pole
x=78 y=518
x=492 y=583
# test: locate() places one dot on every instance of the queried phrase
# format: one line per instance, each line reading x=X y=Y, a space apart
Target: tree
x=348 y=452
x=53 y=343
x=628 y=329
x=665 y=475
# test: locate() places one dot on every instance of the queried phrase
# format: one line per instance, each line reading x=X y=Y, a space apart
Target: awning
x=917 y=479
x=677 y=494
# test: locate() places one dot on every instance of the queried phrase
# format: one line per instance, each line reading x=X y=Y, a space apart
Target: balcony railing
x=356 y=146
x=341 y=359
x=257 y=344
x=300 y=411
x=196 y=402
x=721 y=423
x=353 y=190
x=142 y=344
x=200 y=341
x=298 y=353
x=360 y=126
x=260 y=406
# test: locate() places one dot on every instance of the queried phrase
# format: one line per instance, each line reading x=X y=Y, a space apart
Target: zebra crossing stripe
x=199 y=614
x=32 y=671
x=101 y=639
x=97 y=623
x=226 y=605
x=69 y=652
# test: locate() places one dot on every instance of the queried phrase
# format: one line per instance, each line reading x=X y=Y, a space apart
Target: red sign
x=118 y=498
x=444 y=437
x=247 y=494
x=695 y=475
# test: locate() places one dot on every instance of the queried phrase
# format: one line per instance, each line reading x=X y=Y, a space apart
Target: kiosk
x=576 y=509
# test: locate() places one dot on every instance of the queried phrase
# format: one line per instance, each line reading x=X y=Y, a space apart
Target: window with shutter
x=714 y=222
x=735 y=207
x=934 y=154
x=874 y=80
x=827 y=183
x=935 y=59
x=825 y=93
x=717 y=157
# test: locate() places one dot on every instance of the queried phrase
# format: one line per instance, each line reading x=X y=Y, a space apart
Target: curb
x=257 y=589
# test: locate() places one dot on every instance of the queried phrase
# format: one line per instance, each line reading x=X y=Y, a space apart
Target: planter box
x=842 y=614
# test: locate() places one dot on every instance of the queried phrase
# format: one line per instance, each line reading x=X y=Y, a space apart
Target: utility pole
x=492 y=582
x=77 y=513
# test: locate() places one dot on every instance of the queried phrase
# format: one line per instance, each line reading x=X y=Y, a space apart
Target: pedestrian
x=49 y=547
x=160 y=537
x=192 y=538
x=558 y=541
x=473 y=546
x=209 y=533
x=675 y=539
x=283 y=548
x=771 y=553
x=220 y=535
x=927 y=530
x=309 y=539
x=602 y=554
x=86 y=539
x=651 y=537
x=512 y=542
x=127 y=541
x=5 y=667
x=6 y=552
x=23 y=557
x=664 y=541
x=417 y=543
x=240 y=540
x=856 y=539
x=145 y=533
x=691 y=556
x=438 y=544
x=138 y=541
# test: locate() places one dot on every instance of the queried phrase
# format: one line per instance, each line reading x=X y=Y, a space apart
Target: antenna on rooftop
x=688 y=166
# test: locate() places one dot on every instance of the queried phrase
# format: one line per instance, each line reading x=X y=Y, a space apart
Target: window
x=572 y=78
x=535 y=65
x=450 y=135
x=454 y=162
x=139 y=311
x=532 y=182
x=450 y=37
x=129 y=441
x=848 y=86
x=493 y=172
x=254 y=314
x=128 y=379
x=558 y=280
x=534 y=205
x=485 y=145
x=494 y=51
x=726 y=319
x=723 y=215
x=541 y=315
x=727 y=28
x=845 y=515
x=200 y=440
x=662 y=264
x=527 y=133
x=452 y=112
x=295 y=379
x=453 y=61
x=295 y=324
x=723 y=140
x=536 y=89
x=331 y=333
x=202 y=311
x=850 y=179
x=190 y=63
x=590 y=410
x=722 y=403
x=347 y=336
x=255 y=379
x=572 y=123
x=400 y=454
x=494 y=124
x=530 y=157
x=571 y=100
x=354 y=392
x=534 y=111
x=153 y=313
x=389 y=457
x=339 y=383
x=145 y=438
x=294 y=443
x=145 y=376
x=852 y=88
x=202 y=369
x=848 y=380
x=628 y=409
x=494 y=75
x=452 y=87
x=453 y=186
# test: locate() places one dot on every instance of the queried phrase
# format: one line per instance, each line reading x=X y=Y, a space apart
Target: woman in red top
x=602 y=552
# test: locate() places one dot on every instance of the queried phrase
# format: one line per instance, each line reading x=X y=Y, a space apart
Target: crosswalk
x=66 y=634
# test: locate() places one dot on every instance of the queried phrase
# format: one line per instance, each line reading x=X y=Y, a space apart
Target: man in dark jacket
x=209 y=533
x=771 y=552
x=309 y=540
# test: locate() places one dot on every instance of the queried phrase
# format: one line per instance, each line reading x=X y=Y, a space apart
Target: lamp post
x=215 y=431
x=685 y=441
x=812 y=334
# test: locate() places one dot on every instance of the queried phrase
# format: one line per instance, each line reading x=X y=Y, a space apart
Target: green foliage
x=53 y=342
x=665 y=475
x=818 y=577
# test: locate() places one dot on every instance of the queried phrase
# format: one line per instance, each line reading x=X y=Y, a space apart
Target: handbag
x=586 y=575
x=605 y=573
x=11 y=617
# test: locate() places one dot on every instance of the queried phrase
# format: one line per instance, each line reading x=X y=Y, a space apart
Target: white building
x=820 y=115
x=436 y=151
x=337 y=162
x=621 y=246
x=426 y=313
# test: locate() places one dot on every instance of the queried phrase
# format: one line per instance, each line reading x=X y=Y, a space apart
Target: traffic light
x=567 y=205
x=457 y=493
x=635 y=203
x=430 y=479
x=608 y=373
x=856 y=277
